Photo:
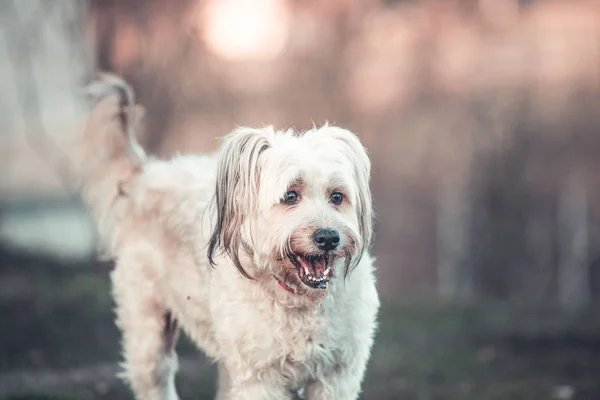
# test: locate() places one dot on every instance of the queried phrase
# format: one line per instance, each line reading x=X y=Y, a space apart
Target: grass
x=433 y=351
x=57 y=320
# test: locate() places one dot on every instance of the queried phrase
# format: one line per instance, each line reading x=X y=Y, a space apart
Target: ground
x=58 y=341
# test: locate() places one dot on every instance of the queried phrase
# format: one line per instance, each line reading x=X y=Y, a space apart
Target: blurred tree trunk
x=537 y=285
x=455 y=280
x=45 y=63
x=43 y=58
x=573 y=273
x=44 y=66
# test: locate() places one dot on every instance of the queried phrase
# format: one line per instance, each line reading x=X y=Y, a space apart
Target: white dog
x=259 y=253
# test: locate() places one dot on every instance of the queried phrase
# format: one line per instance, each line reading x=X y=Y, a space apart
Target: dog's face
x=299 y=204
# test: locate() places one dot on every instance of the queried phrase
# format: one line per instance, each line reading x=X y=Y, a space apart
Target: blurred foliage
x=491 y=102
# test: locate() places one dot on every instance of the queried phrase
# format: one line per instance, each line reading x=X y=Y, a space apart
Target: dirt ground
x=58 y=341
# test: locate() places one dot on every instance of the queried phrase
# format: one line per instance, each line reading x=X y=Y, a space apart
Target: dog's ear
x=356 y=152
x=237 y=188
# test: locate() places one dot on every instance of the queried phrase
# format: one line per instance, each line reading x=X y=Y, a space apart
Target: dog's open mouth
x=314 y=270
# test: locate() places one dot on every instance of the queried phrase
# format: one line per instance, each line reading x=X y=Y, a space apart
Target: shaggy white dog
x=260 y=254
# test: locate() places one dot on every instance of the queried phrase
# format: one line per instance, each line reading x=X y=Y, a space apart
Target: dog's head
x=298 y=204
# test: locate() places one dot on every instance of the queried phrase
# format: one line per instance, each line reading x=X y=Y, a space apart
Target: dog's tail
x=108 y=156
x=109 y=84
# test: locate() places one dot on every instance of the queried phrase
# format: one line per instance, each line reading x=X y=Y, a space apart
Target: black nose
x=326 y=239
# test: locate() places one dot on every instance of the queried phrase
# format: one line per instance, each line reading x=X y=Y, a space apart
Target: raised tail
x=108 y=84
x=108 y=157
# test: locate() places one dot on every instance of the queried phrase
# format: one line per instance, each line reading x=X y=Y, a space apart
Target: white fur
x=157 y=219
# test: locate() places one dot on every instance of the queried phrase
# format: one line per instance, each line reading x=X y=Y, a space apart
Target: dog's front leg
x=149 y=330
x=334 y=388
x=252 y=389
x=259 y=391
x=342 y=384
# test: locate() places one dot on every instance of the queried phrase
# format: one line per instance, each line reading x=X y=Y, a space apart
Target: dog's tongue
x=315 y=266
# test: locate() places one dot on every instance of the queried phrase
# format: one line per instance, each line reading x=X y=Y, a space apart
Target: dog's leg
x=258 y=391
x=337 y=386
x=149 y=330
x=341 y=383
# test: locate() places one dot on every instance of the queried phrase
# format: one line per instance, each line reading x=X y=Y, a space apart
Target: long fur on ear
x=356 y=152
x=236 y=194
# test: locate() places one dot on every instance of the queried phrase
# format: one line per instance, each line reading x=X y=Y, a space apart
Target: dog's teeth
x=326 y=272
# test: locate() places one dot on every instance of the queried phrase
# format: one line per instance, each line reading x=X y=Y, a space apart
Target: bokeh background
x=482 y=120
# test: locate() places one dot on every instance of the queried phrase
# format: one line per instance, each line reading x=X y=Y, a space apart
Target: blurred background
x=482 y=120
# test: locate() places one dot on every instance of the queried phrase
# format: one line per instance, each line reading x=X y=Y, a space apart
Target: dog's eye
x=336 y=198
x=291 y=197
